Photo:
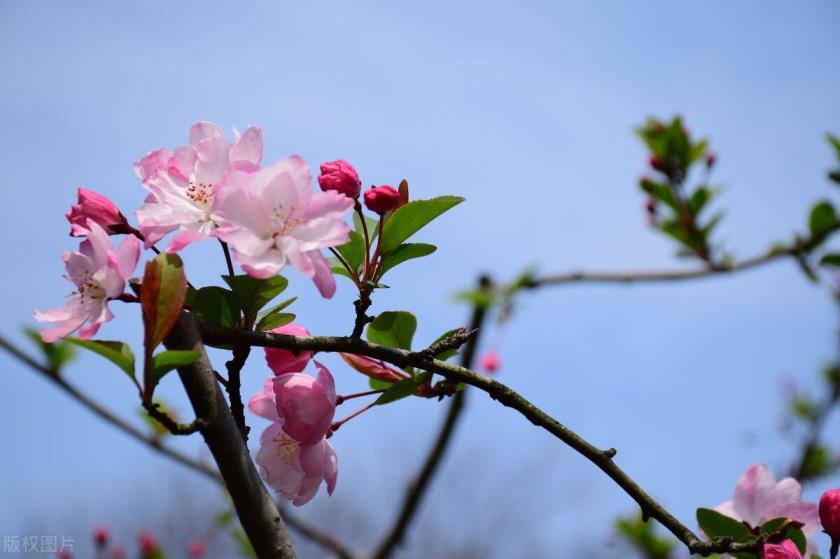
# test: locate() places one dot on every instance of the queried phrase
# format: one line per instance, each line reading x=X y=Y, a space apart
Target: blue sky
x=526 y=110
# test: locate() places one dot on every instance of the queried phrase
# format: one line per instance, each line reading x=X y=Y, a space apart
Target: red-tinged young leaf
x=403 y=190
x=162 y=296
x=372 y=368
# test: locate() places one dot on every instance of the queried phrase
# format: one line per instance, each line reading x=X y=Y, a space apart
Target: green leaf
x=57 y=353
x=118 y=353
x=162 y=297
x=217 y=305
x=275 y=320
x=338 y=269
x=831 y=259
x=835 y=143
x=274 y=317
x=353 y=251
x=166 y=361
x=834 y=176
x=478 y=298
x=406 y=220
x=397 y=391
x=372 y=226
x=252 y=294
x=376 y=384
x=660 y=191
x=715 y=524
x=699 y=199
x=406 y=251
x=393 y=328
x=822 y=220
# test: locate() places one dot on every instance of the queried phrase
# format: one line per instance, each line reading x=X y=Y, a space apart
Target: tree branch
x=418 y=488
x=602 y=458
x=257 y=512
x=793 y=250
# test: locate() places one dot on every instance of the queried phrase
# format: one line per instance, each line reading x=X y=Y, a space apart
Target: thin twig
x=794 y=249
x=418 y=488
x=152 y=442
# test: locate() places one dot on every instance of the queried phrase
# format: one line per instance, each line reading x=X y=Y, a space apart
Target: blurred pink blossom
x=785 y=550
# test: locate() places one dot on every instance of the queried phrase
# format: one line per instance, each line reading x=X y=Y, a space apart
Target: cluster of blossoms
x=758 y=499
x=295 y=456
x=270 y=216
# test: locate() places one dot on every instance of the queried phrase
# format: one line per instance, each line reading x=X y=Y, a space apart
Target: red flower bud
x=196 y=549
x=830 y=513
x=381 y=199
x=340 y=176
x=656 y=163
x=711 y=159
x=148 y=544
x=94 y=206
x=100 y=535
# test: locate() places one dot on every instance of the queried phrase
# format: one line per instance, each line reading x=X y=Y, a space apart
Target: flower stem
x=341 y=399
x=339 y=423
x=228 y=260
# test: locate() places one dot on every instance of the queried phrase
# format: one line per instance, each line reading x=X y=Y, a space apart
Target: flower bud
x=100 y=536
x=711 y=159
x=381 y=199
x=786 y=550
x=830 y=513
x=490 y=361
x=196 y=549
x=148 y=544
x=656 y=163
x=94 y=206
x=340 y=176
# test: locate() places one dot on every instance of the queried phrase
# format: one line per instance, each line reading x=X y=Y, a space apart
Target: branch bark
x=417 y=490
x=257 y=512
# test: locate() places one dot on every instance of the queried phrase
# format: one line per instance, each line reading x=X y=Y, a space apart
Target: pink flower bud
x=340 y=176
x=96 y=207
x=381 y=199
x=100 y=535
x=490 y=361
x=196 y=549
x=283 y=361
x=830 y=513
x=787 y=550
x=711 y=159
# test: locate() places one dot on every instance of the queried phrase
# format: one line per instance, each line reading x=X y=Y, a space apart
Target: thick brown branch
x=257 y=512
x=418 y=489
x=234 y=387
x=794 y=249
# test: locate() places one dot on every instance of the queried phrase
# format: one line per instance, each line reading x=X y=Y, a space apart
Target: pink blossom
x=196 y=549
x=340 y=176
x=99 y=274
x=758 y=498
x=306 y=404
x=381 y=199
x=283 y=361
x=183 y=183
x=490 y=361
x=295 y=470
x=830 y=513
x=96 y=207
x=372 y=368
x=785 y=550
x=100 y=535
x=276 y=219
x=291 y=468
